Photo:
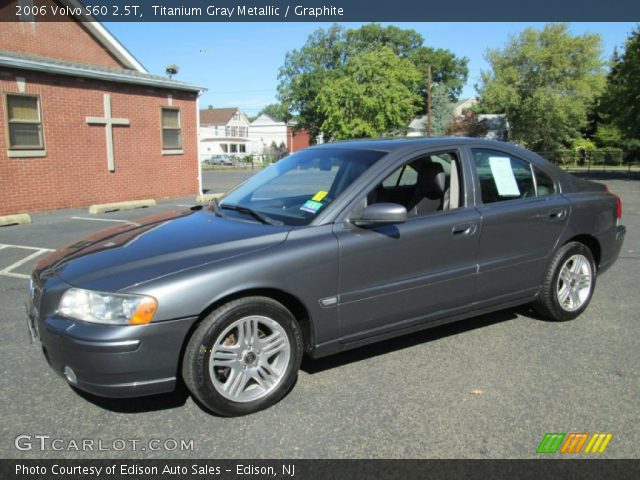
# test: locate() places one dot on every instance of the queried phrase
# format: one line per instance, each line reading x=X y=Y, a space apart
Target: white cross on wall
x=108 y=121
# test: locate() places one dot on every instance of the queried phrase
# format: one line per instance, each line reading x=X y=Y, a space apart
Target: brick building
x=83 y=122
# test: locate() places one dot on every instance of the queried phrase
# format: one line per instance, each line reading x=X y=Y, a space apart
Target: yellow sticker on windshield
x=319 y=196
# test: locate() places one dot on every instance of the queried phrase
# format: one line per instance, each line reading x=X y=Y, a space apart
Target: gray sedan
x=334 y=247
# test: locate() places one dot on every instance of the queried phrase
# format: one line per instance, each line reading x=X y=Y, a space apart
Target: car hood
x=156 y=246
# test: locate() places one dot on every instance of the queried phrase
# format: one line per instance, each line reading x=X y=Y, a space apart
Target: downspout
x=198 y=141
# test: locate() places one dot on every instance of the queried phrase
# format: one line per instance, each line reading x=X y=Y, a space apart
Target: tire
x=568 y=284
x=243 y=357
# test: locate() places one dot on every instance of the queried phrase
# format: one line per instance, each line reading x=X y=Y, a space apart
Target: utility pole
x=429 y=119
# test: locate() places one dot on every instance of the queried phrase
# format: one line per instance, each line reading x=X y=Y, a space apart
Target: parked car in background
x=334 y=247
x=220 y=160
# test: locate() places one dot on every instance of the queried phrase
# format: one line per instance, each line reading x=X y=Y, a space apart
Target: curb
x=17 y=219
x=112 y=207
x=208 y=197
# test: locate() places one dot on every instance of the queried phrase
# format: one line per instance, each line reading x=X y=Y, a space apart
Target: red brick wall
x=297 y=139
x=74 y=172
x=63 y=40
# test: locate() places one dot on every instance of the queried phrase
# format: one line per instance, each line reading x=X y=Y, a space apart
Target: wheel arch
x=591 y=243
x=289 y=301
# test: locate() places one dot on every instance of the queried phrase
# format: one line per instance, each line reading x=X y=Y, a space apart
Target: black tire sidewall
x=212 y=327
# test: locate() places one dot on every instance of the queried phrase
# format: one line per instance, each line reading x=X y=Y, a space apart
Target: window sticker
x=503 y=176
x=318 y=197
x=311 y=206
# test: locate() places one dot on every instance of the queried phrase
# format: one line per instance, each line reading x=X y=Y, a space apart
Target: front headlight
x=109 y=308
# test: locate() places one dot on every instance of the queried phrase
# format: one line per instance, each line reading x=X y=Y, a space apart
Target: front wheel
x=243 y=357
x=569 y=283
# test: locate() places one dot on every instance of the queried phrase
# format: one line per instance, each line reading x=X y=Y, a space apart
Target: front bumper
x=113 y=361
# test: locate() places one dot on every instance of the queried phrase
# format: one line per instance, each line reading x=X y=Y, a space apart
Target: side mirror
x=382 y=214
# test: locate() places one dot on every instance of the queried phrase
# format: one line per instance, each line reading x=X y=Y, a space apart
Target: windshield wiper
x=257 y=215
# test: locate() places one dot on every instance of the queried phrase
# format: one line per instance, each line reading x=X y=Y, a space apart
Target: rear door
x=523 y=215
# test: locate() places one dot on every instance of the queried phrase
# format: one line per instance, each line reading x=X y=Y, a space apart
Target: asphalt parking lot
x=487 y=387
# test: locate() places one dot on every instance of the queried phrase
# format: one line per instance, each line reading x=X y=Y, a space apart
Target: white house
x=265 y=131
x=223 y=131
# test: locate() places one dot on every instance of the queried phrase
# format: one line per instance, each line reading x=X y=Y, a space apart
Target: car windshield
x=296 y=189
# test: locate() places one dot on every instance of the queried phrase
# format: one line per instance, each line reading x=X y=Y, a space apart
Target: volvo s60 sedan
x=331 y=248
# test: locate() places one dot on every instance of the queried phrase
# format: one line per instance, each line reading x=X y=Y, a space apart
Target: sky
x=238 y=62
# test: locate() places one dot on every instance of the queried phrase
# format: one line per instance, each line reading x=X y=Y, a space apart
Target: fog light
x=70 y=375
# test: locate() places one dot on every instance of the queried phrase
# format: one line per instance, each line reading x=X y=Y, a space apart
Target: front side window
x=502 y=176
x=171 y=129
x=296 y=189
x=424 y=185
x=24 y=122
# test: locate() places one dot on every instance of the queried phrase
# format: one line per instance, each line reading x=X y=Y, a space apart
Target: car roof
x=407 y=143
x=396 y=143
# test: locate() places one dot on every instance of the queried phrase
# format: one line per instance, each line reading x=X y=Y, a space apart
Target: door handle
x=557 y=214
x=464 y=229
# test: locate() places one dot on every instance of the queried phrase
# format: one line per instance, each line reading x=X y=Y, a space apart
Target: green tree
x=544 y=81
x=447 y=70
x=374 y=36
x=441 y=110
x=327 y=52
x=305 y=71
x=374 y=92
x=620 y=103
x=608 y=136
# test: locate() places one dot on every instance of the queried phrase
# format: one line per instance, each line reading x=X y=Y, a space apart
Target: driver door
x=395 y=276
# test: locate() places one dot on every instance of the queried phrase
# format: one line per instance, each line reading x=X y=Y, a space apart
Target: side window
x=171 y=129
x=544 y=184
x=405 y=176
x=503 y=177
x=25 y=122
x=423 y=185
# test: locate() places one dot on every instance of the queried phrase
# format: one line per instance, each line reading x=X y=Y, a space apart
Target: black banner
x=320 y=10
x=319 y=469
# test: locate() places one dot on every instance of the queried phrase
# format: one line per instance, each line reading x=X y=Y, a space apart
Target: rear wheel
x=243 y=357
x=569 y=283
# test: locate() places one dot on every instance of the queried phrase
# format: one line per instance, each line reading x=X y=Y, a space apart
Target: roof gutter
x=24 y=64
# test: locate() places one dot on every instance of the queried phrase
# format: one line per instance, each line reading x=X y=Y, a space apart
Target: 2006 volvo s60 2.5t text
x=331 y=248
